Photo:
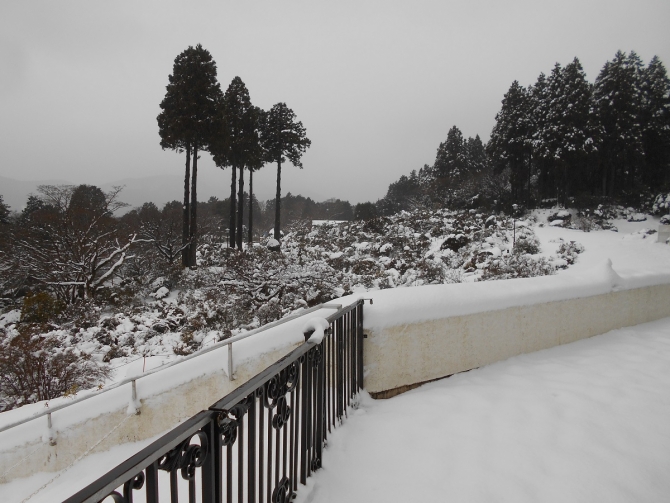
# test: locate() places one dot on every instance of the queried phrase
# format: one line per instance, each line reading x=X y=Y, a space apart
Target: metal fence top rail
x=218 y=345
x=206 y=421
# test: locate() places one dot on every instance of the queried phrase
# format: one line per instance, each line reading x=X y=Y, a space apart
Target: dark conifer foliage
x=237 y=145
x=4 y=211
x=617 y=100
x=562 y=137
x=283 y=138
x=186 y=123
x=451 y=160
x=655 y=120
x=510 y=143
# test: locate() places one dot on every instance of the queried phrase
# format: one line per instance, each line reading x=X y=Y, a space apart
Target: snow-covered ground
x=585 y=422
x=635 y=255
x=633 y=252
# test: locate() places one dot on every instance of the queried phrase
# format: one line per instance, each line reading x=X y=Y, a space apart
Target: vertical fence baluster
x=303 y=422
x=360 y=347
x=296 y=417
x=152 y=483
x=251 y=456
x=320 y=402
x=240 y=461
x=277 y=434
x=269 y=474
x=174 y=493
x=340 y=365
x=212 y=469
x=261 y=448
x=229 y=474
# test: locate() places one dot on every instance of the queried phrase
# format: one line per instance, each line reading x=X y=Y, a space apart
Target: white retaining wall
x=466 y=326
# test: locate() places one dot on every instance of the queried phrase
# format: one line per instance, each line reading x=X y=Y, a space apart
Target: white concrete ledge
x=400 y=355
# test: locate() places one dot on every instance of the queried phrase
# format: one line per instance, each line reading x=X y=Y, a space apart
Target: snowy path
x=585 y=422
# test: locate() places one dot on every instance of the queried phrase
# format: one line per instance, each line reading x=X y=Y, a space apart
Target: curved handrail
x=226 y=342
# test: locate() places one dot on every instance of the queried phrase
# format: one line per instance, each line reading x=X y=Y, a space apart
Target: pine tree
x=237 y=145
x=283 y=137
x=655 y=119
x=186 y=123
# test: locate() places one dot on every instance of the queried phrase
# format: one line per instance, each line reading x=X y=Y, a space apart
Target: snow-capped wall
x=419 y=334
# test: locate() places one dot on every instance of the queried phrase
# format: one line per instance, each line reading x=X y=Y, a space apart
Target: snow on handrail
x=227 y=342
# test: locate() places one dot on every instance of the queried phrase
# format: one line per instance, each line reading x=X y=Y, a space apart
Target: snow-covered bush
x=41 y=308
x=35 y=366
x=661 y=204
x=568 y=251
x=514 y=265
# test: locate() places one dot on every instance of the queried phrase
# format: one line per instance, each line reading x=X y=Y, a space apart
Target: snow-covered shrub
x=35 y=367
x=41 y=308
x=527 y=244
x=661 y=204
x=569 y=251
x=665 y=220
x=516 y=266
x=560 y=218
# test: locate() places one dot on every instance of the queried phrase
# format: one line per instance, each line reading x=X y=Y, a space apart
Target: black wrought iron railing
x=257 y=443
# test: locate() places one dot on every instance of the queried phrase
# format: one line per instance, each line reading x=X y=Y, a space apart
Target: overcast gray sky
x=377 y=84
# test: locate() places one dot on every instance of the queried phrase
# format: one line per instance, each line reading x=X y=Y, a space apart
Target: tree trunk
x=240 y=209
x=530 y=167
x=194 y=209
x=251 y=208
x=232 y=221
x=278 y=201
x=185 y=235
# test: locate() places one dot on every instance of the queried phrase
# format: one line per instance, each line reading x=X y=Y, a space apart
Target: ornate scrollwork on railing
x=186 y=456
x=315 y=356
x=283 y=413
x=229 y=420
x=134 y=484
x=228 y=427
x=283 y=493
x=281 y=384
x=276 y=389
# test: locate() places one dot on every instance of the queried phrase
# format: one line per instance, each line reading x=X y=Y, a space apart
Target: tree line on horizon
x=559 y=140
x=197 y=116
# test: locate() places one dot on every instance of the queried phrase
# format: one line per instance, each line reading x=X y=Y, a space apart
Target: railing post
x=320 y=402
x=230 y=362
x=212 y=470
x=50 y=429
x=359 y=338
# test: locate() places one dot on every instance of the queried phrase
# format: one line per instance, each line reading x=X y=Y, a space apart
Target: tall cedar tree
x=283 y=138
x=656 y=124
x=237 y=144
x=510 y=142
x=186 y=123
x=451 y=160
x=254 y=163
x=617 y=100
x=562 y=138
